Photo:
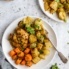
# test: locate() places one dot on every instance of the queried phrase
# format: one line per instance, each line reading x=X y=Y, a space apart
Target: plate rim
x=18 y=20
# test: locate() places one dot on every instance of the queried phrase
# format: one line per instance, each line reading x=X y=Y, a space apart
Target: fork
x=62 y=57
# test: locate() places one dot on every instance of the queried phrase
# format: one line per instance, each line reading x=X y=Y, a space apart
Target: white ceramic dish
x=52 y=16
x=7 y=47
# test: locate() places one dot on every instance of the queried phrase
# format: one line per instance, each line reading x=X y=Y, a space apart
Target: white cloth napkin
x=4 y=64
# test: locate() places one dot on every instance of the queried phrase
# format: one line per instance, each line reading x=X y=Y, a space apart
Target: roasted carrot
x=14 y=57
x=27 y=50
x=21 y=54
x=29 y=63
x=17 y=50
x=12 y=53
x=23 y=62
x=18 y=61
x=28 y=57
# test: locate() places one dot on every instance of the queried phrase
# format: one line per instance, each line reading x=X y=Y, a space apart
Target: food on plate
x=29 y=42
x=61 y=7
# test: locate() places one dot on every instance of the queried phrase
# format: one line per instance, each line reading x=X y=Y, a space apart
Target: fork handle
x=62 y=57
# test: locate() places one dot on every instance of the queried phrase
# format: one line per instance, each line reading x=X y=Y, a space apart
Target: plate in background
x=52 y=16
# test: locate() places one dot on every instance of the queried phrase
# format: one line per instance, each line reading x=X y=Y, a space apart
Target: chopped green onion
x=57 y=0
x=33 y=45
x=54 y=66
x=41 y=52
x=30 y=30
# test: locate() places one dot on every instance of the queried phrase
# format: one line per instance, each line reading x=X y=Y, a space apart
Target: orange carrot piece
x=28 y=57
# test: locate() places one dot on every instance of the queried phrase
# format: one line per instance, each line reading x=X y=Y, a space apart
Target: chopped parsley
x=54 y=66
x=30 y=30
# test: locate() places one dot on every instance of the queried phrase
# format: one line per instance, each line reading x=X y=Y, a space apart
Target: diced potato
x=46 y=6
x=39 y=46
x=62 y=15
x=42 y=56
x=46 y=52
x=60 y=10
x=38 y=22
x=38 y=34
x=48 y=44
x=36 y=60
x=43 y=32
x=52 y=11
x=54 y=5
x=33 y=45
x=41 y=38
x=27 y=20
x=46 y=40
x=32 y=38
x=35 y=52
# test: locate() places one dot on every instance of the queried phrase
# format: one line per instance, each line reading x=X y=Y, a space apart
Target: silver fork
x=62 y=57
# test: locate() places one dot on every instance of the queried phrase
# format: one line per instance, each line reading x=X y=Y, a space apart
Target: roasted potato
x=39 y=46
x=32 y=38
x=36 y=60
x=42 y=56
x=27 y=20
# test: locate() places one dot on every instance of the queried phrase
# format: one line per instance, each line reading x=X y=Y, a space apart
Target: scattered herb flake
x=57 y=0
x=67 y=42
x=54 y=66
x=68 y=31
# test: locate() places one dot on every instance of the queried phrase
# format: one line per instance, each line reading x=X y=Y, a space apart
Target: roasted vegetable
x=29 y=41
x=30 y=30
x=36 y=60
x=32 y=38
x=61 y=14
x=54 y=5
x=33 y=45
x=66 y=6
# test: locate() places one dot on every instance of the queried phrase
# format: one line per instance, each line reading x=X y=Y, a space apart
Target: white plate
x=52 y=16
x=7 y=47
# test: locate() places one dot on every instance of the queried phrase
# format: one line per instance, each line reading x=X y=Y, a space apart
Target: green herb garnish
x=67 y=42
x=30 y=30
x=54 y=66
x=57 y=0
x=36 y=26
x=68 y=31
x=41 y=52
